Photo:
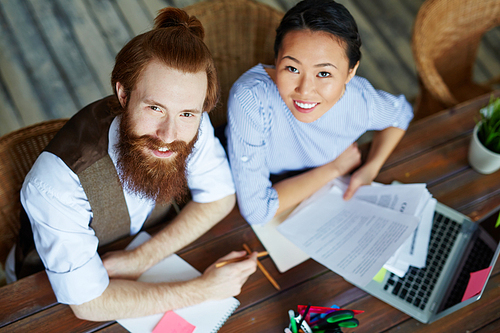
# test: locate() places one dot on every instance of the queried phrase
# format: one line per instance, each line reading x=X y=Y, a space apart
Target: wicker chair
x=18 y=152
x=446 y=36
x=240 y=34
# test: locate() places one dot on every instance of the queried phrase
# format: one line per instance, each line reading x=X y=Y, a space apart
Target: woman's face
x=312 y=70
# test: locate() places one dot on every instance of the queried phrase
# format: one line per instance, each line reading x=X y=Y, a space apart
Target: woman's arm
x=382 y=146
x=294 y=190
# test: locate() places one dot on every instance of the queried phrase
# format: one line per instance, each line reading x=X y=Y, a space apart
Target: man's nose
x=305 y=85
x=167 y=131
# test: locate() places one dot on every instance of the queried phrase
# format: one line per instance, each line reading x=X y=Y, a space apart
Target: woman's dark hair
x=322 y=15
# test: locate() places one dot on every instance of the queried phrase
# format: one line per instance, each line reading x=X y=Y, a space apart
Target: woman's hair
x=176 y=40
x=322 y=15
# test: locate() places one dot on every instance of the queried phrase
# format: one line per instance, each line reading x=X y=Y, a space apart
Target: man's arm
x=194 y=220
x=382 y=146
x=128 y=299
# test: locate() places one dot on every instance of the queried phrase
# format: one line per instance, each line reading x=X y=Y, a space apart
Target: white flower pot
x=482 y=159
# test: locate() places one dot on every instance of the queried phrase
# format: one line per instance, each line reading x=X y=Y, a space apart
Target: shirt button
x=244 y=158
x=396 y=104
x=394 y=124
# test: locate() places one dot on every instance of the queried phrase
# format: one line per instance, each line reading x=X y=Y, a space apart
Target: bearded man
x=119 y=159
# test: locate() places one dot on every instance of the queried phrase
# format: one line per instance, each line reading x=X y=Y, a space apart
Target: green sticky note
x=498 y=221
x=380 y=275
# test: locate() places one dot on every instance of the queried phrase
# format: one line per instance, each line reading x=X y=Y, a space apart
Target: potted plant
x=484 y=150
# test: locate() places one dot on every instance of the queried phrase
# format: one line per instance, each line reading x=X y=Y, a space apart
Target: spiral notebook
x=206 y=317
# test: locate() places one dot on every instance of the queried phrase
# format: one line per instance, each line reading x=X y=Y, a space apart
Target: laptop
x=457 y=247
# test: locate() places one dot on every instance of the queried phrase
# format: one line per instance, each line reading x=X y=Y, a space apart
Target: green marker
x=293 y=323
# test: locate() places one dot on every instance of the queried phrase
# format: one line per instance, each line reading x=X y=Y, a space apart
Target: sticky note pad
x=476 y=283
x=171 y=322
x=379 y=277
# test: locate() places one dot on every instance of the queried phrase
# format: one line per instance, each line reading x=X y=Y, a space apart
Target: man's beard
x=159 y=179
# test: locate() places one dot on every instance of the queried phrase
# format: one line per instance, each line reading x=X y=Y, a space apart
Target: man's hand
x=227 y=280
x=348 y=160
x=123 y=265
x=362 y=176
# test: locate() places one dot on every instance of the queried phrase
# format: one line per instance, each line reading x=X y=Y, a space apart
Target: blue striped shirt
x=265 y=138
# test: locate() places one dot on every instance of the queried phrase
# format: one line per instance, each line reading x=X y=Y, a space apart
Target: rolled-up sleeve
x=60 y=215
x=387 y=110
x=246 y=133
x=208 y=173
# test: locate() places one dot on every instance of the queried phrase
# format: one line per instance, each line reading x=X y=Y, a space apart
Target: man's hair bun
x=175 y=17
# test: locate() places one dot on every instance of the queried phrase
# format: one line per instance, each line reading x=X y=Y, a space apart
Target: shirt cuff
x=82 y=284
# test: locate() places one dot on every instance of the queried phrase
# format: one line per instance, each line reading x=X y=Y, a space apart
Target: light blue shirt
x=265 y=138
x=60 y=213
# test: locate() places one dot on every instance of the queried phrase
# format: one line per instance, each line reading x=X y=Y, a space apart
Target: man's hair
x=176 y=40
x=322 y=15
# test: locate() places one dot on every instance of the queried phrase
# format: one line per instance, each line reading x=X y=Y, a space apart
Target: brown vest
x=83 y=145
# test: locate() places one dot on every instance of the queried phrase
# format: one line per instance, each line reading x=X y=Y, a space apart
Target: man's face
x=158 y=130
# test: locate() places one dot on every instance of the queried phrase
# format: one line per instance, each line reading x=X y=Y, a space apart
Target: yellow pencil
x=262 y=268
x=230 y=261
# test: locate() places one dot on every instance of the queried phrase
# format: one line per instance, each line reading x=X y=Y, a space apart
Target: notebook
x=460 y=258
x=206 y=317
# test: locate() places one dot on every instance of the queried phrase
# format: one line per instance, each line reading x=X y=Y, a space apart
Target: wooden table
x=434 y=150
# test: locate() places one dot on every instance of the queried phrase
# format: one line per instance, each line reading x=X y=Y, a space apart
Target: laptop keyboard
x=417 y=285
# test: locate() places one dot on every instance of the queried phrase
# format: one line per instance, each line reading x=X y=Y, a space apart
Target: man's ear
x=352 y=72
x=122 y=95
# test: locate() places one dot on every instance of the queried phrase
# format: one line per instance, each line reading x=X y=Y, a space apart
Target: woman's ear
x=122 y=95
x=352 y=72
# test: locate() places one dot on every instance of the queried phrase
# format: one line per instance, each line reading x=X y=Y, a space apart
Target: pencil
x=263 y=269
x=230 y=261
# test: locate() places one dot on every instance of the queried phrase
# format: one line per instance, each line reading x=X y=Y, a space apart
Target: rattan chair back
x=446 y=36
x=239 y=34
x=18 y=152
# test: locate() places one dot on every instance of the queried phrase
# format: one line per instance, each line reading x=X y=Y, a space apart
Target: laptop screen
x=489 y=225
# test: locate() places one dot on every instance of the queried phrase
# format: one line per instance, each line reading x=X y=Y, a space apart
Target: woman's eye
x=155 y=108
x=324 y=74
x=292 y=69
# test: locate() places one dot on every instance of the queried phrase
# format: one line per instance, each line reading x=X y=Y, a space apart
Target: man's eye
x=292 y=69
x=186 y=114
x=324 y=74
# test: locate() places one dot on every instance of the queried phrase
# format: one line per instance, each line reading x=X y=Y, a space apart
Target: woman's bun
x=173 y=17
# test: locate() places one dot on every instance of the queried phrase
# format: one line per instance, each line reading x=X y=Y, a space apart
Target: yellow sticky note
x=379 y=277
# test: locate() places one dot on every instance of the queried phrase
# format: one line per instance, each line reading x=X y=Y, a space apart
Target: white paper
x=204 y=316
x=352 y=238
x=284 y=253
x=408 y=199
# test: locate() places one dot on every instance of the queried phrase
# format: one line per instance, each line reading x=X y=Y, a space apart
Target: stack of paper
x=411 y=199
x=356 y=238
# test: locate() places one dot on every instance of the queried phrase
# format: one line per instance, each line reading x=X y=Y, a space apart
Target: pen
x=305 y=314
x=263 y=269
x=230 y=261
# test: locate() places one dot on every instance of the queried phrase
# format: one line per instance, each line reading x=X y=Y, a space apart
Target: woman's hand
x=348 y=160
x=363 y=176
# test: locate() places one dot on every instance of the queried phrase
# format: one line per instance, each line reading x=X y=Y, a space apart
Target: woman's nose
x=305 y=85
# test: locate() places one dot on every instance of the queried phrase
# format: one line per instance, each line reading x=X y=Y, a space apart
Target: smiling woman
x=305 y=113
x=310 y=83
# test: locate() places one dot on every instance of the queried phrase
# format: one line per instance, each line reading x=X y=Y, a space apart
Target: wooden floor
x=56 y=55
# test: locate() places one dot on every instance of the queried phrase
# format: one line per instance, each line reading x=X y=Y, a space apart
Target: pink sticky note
x=476 y=283
x=171 y=322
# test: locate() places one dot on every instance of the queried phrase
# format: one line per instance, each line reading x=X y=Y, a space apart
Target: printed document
x=352 y=238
